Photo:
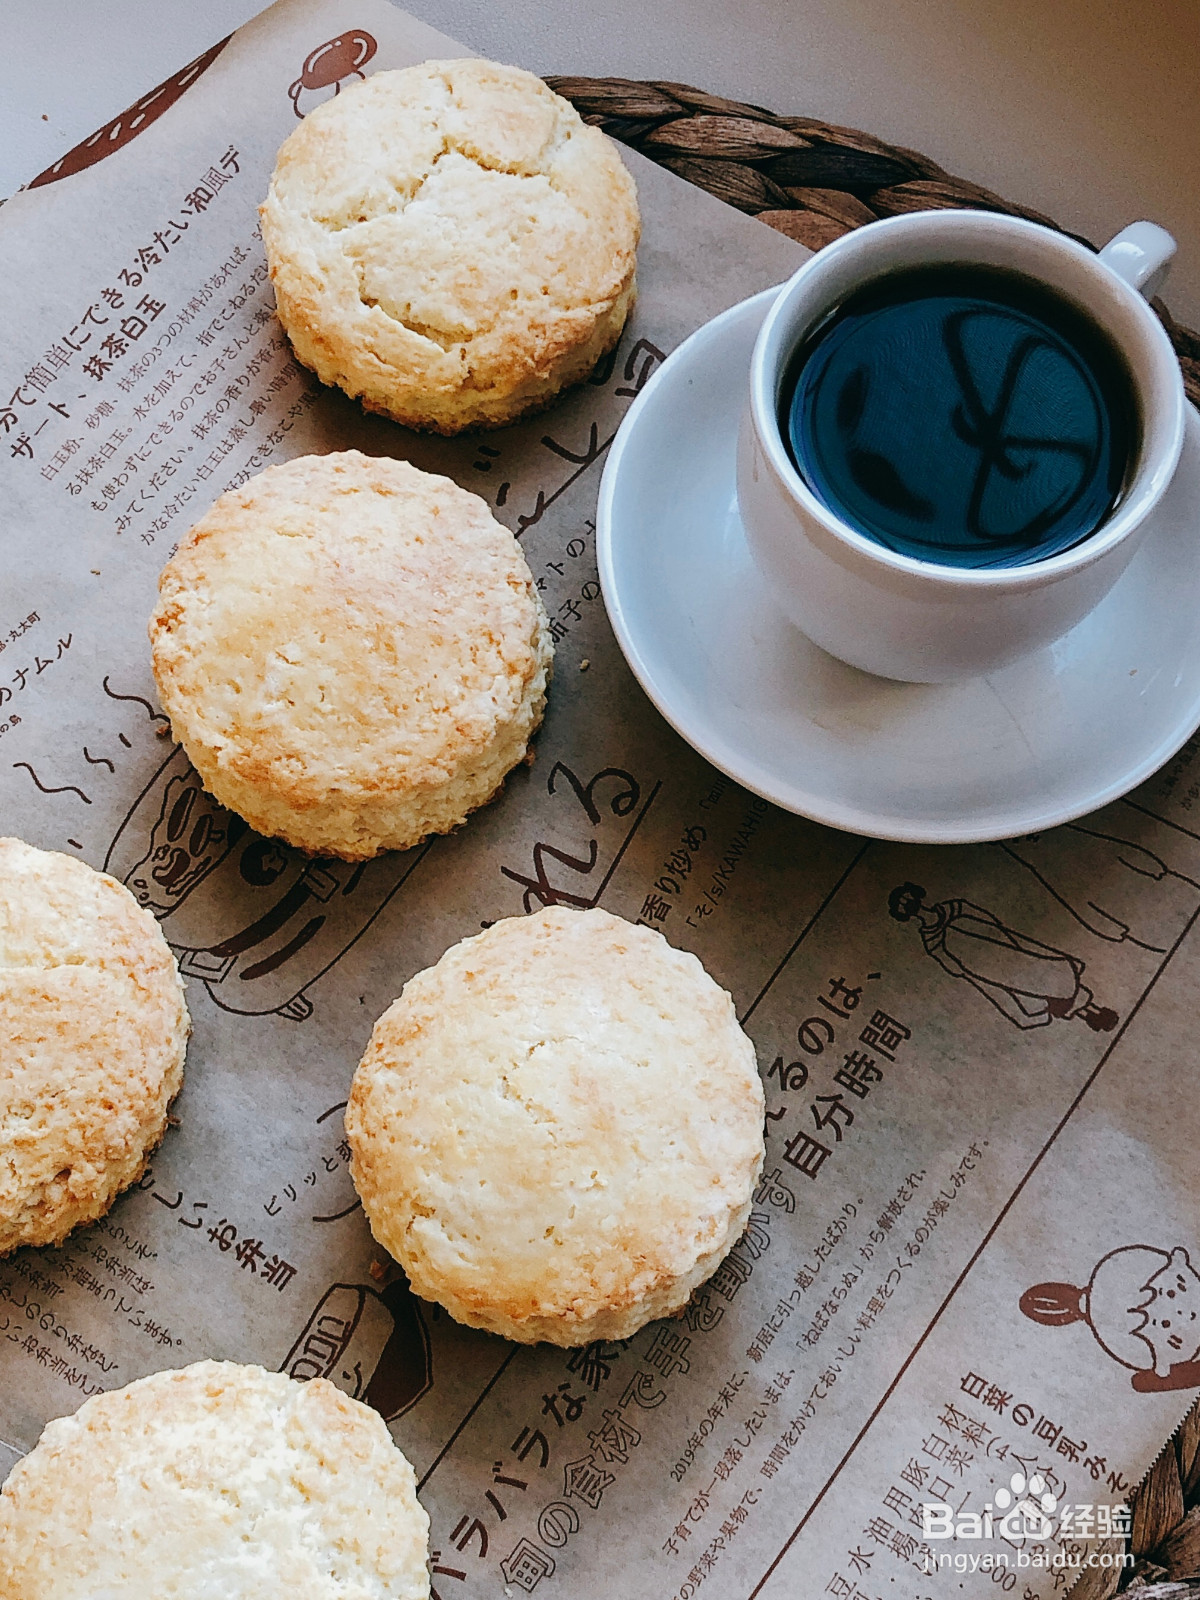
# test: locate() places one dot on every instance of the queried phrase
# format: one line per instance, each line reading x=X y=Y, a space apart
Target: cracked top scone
x=93 y=1029
x=557 y=1129
x=215 y=1480
x=352 y=652
x=451 y=244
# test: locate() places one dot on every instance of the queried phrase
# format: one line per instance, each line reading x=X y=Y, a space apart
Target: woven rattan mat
x=809 y=179
x=815 y=181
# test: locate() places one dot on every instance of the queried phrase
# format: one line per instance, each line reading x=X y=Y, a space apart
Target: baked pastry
x=352 y=653
x=216 y=1479
x=93 y=1029
x=451 y=244
x=557 y=1129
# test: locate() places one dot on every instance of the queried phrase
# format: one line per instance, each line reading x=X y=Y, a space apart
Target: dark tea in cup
x=964 y=415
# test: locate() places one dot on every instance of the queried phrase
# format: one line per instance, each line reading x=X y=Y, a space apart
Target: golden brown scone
x=451 y=244
x=352 y=653
x=558 y=1128
x=93 y=1029
x=214 y=1481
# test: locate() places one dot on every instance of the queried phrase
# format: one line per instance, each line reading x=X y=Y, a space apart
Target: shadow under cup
x=869 y=599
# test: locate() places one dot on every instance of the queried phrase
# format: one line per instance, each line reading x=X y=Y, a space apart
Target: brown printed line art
x=371 y=1342
x=975 y=927
x=640 y=362
x=256 y=922
x=299 y=1007
x=336 y=1216
x=472 y=1409
x=356 y=1205
x=63 y=788
x=132 y=121
x=540 y=888
x=137 y=700
x=1135 y=805
x=979 y=1249
x=627 y=841
x=587 y=458
x=331 y=64
x=803 y=934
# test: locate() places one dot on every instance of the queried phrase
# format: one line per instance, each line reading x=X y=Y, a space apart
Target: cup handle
x=1141 y=255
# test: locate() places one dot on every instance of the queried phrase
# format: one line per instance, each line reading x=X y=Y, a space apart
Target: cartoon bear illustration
x=1143 y=1307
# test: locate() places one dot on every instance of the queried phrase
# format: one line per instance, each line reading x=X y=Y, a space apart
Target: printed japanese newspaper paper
x=974 y=1251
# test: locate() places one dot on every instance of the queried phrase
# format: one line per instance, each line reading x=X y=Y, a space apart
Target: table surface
x=1085 y=109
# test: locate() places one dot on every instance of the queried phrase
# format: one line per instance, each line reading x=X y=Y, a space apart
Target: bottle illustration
x=371 y=1343
x=254 y=920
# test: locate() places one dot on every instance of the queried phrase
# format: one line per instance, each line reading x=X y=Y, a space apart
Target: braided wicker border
x=815 y=181
x=809 y=179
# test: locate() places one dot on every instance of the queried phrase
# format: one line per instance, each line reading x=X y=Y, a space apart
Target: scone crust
x=93 y=1030
x=216 y=1479
x=451 y=244
x=557 y=1129
x=352 y=652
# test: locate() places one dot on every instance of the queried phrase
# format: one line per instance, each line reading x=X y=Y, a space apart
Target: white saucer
x=1058 y=734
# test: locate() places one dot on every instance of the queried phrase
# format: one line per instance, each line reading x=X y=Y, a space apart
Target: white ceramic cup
x=921 y=621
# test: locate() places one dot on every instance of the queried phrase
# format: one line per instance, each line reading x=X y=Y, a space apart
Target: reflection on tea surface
x=962 y=415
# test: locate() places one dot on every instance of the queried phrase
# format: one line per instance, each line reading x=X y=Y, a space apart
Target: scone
x=451 y=244
x=558 y=1128
x=215 y=1480
x=93 y=1029
x=352 y=653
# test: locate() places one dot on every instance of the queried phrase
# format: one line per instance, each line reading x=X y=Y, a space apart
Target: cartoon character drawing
x=253 y=919
x=1030 y=983
x=190 y=837
x=328 y=67
x=1143 y=1307
x=372 y=1344
x=1105 y=881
